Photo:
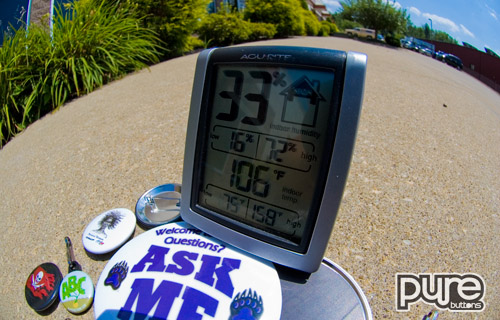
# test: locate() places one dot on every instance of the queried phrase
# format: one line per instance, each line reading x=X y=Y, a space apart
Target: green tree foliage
x=39 y=72
x=343 y=24
x=443 y=37
x=173 y=20
x=311 y=23
x=425 y=32
x=375 y=14
x=226 y=28
x=286 y=15
x=291 y=17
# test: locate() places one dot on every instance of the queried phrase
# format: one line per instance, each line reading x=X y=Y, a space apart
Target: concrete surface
x=423 y=193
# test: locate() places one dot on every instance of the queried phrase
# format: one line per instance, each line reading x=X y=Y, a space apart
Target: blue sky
x=474 y=21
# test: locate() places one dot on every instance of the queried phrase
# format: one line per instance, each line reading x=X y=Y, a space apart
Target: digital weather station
x=269 y=142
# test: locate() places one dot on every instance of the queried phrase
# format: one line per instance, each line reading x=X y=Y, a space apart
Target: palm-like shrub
x=90 y=45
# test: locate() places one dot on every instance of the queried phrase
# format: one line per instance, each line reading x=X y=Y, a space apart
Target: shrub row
x=96 y=41
x=225 y=28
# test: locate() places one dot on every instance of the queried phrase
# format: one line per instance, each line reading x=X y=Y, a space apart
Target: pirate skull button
x=109 y=230
x=42 y=286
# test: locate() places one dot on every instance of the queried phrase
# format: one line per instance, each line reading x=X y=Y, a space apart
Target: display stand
x=329 y=293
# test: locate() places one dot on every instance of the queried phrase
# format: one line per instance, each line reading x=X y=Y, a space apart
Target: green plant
x=286 y=15
x=100 y=43
x=348 y=24
x=90 y=45
x=311 y=23
x=393 y=40
x=328 y=28
x=375 y=14
x=18 y=84
x=226 y=28
x=174 y=21
x=260 y=31
x=196 y=43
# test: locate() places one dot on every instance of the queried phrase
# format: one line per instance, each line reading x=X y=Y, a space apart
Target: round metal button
x=159 y=205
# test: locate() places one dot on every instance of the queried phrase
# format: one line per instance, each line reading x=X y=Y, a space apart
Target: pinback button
x=42 y=286
x=109 y=230
x=77 y=292
x=159 y=206
x=121 y=292
x=77 y=289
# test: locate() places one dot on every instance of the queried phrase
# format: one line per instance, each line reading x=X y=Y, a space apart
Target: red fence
x=479 y=64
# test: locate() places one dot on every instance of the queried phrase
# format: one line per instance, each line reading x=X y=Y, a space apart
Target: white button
x=109 y=230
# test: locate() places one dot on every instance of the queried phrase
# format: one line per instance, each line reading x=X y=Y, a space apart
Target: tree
x=444 y=37
x=343 y=24
x=413 y=31
x=375 y=14
x=420 y=33
x=427 y=31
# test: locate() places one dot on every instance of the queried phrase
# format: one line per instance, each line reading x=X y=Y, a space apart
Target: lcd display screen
x=267 y=136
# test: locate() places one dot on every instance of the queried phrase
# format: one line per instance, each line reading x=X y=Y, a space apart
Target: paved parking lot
x=423 y=194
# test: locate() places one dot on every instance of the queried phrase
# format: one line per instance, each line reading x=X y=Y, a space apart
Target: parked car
x=454 y=61
x=425 y=51
x=440 y=55
x=361 y=32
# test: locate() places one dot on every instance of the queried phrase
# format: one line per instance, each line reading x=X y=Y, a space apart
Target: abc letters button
x=77 y=292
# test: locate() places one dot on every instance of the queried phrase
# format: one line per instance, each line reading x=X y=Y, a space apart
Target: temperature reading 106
x=244 y=178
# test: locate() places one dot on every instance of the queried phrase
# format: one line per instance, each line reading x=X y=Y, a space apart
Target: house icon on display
x=301 y=101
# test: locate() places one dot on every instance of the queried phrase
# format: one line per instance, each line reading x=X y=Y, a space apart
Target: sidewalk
x=423 y=194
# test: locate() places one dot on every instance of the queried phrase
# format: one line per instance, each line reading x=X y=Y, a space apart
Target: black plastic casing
x=349 y=69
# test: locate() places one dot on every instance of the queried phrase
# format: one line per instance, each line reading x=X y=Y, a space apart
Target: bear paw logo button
x=116 y=275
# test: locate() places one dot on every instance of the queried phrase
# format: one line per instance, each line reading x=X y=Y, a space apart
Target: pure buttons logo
x=452 y=291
